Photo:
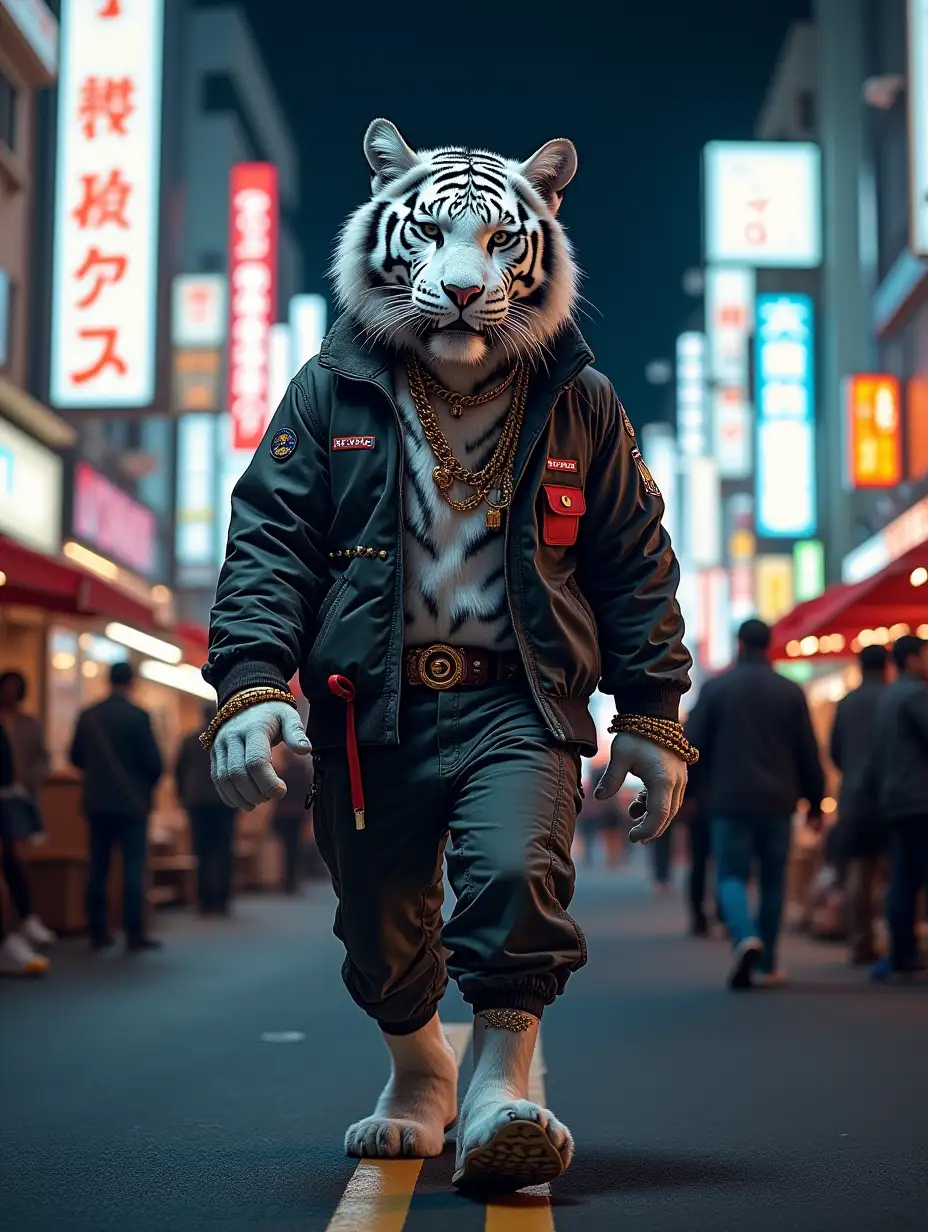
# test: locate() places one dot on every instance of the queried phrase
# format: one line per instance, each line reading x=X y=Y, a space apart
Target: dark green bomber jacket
x=590 y=574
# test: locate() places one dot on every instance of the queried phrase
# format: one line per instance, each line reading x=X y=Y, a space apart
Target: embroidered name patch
x=562 y=464
x=649 y=484
x=283 y=444
x=353 y=442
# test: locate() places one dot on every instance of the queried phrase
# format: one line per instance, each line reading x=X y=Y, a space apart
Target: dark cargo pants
x=479 y=771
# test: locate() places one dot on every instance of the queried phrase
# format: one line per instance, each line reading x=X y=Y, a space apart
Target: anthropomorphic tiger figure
x=450 y=533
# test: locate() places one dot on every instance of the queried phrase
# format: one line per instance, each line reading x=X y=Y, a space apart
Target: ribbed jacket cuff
x=660 y=701
x=249 y=676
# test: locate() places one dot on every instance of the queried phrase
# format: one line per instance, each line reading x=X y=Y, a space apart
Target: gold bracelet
x=664 y=732
x=244 y=701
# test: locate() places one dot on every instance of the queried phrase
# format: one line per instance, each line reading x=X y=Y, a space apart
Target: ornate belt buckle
x=441 y=667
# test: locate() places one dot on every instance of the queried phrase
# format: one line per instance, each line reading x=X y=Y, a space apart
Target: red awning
x=34 y=580
x=884 y=601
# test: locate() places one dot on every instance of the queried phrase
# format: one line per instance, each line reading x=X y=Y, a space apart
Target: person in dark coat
x=759 y=757
x=899 y=770
x=290 y=814
x=862 y=834
x=212 y=823
x=115 y=747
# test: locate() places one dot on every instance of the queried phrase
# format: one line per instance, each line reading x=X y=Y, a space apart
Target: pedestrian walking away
x=862 y=832
x=115 y=748
x=17 y=955
x=759 y=757
x=212 y=823
x=21 y=820
x=899 y=772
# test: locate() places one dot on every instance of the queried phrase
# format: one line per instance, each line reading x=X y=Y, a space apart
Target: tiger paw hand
x=240 y=759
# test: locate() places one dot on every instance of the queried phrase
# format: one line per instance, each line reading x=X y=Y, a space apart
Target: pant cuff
x=524 y=1002
x=411 y=1025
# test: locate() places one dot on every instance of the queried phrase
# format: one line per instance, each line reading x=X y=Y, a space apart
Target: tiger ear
x=551 y=169
x=387 y=153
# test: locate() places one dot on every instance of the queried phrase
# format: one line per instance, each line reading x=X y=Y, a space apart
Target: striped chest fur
x=455 y=585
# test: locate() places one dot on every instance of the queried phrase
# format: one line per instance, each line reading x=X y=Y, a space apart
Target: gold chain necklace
x=497 y=474
x=457 y=402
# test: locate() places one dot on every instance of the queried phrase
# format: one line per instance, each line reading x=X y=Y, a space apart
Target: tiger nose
x=461 y=296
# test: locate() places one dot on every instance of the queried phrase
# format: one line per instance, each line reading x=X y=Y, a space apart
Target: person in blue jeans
x=898 y=771
x=759 y=757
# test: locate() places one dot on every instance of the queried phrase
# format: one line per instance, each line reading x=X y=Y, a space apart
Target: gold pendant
x=443 y=478
x=494 y=519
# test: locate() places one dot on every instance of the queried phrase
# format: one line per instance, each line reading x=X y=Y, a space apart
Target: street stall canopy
x=30 y=579
x=878 y=610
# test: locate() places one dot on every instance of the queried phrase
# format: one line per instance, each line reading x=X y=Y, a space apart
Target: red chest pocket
x=563 y=509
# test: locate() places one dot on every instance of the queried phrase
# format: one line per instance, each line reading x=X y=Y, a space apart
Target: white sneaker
x=745 y=958
x=17 y=957
x=36 y=933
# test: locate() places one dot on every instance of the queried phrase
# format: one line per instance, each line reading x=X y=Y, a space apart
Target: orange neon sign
x=874 y=431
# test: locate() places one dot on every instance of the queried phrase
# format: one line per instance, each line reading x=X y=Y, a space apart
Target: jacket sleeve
x=835 y=750
x=811 y=774
x=629 y=574
x=76 y=755
x=149 y=753
x=275 y=572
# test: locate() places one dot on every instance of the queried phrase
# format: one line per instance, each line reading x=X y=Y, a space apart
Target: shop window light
x=919 y=576
x=183 y=676
x=809 y=645
x=144 y=643
x=793 y=649
x=922 y=631
x=90 y=560
x=898 y=631
x=2 y=578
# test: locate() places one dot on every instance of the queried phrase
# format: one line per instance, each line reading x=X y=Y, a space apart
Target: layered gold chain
x=494 y=478
x=458 y=402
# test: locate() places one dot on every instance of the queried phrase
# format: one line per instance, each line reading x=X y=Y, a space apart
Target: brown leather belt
x=452 y=667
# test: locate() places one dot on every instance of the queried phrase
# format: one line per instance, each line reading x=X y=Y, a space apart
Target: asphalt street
x=210 y=1085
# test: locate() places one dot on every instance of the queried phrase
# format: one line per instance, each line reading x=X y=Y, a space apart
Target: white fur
x=409 y=309
x=466 y=585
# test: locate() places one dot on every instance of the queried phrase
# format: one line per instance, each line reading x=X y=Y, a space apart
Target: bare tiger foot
x=505 y=1144
x=418 y=1104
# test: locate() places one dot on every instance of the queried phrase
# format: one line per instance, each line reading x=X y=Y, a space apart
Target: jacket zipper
x=400 y=550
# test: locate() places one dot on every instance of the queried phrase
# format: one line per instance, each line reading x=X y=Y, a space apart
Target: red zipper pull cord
x=342 y=687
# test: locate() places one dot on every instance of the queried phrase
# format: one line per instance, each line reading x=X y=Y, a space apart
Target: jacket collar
x=342 y=352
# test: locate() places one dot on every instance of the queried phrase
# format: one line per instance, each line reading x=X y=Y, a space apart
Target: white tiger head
x=458 y=255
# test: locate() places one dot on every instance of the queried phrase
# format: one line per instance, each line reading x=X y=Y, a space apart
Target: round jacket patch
x=627 y=422
x=283 y=444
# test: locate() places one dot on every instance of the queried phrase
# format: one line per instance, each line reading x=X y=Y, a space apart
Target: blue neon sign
x=785 y=390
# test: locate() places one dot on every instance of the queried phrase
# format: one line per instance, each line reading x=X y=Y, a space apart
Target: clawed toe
x=521 y=1145
x=384 y=1138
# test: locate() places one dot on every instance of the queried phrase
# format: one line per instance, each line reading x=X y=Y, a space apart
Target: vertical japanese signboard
x=918 y=124
x=785 y=478
x=252 y=297
x=104 y=323
x=762 y=203
x=692 y=421
x=729 y=321
x=874 y=431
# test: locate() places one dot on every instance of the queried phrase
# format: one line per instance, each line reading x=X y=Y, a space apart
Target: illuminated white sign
x=307 y=328
x=30 y=491
x=729 y=311
x=280 y=368
x=918 y=123
x=902 y=535
x=785 y=417
x=196 y=497
x=718 y=641
x=198 y=310
x=692 y=426
x=104 y=322
x=702 y=512
x=39 y=28
x=762 y=203
x=232 y=465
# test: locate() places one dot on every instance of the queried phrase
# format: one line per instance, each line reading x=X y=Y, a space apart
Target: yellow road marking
x=530 y=1209
x=378 y=1196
